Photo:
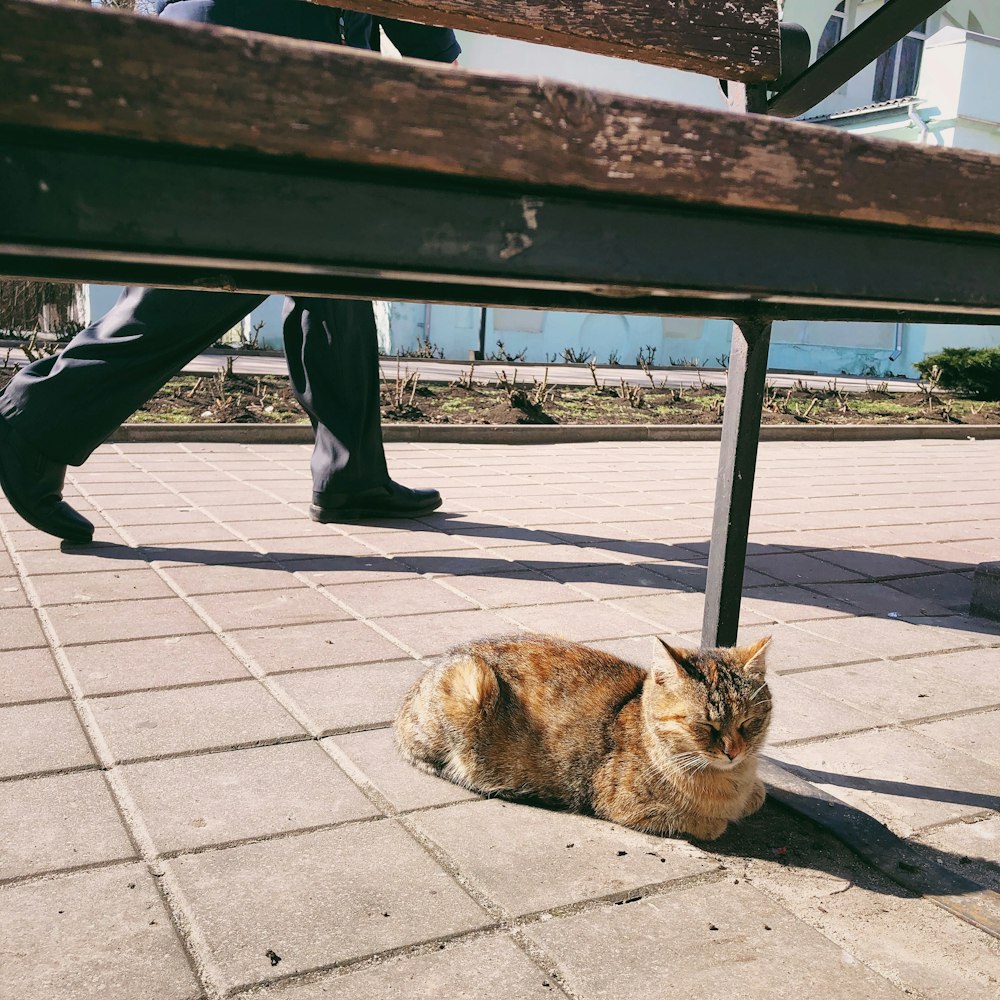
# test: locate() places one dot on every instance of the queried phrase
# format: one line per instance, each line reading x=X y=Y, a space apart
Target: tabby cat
x=668 y=749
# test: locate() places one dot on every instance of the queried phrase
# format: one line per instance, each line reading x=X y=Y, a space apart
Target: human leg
x=55 y=411
x=331 y=346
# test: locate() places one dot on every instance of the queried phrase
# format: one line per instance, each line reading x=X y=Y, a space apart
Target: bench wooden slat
x=140 y=212
x=729 y=39
x=73 y=70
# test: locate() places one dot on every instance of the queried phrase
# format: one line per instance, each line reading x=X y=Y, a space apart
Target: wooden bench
x=138 y=151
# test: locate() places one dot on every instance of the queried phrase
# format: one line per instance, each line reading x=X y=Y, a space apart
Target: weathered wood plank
x=73 y=70
x=729 y=39
x=147 y=213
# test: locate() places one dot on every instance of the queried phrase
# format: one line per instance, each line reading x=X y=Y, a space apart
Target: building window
x=897 y=69
x=832 y=33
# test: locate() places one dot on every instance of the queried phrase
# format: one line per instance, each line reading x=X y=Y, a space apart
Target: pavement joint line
x=169 y=889
x=58 y=873
x=53 y=772
x=266 y=838
x=270 y=741
x=151 y=688
x=347 y=967
x=969 y=819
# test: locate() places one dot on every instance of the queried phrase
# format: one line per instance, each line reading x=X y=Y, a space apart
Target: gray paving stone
x=140 y=664
x=180 y=720
x=961 y=630
x=977 y=735
x=429 y=635
x=312 y=552
x=366 y=888
x=545 y=554
x=351 y=697
x=884 y=636
x=400 y=597
x=99 y=555
x=407 y=541
x=325 y=644
x=156 y=498
x=675 y=612
x=230 y=553
x=266 y=608
x=613 y=580
x=793 y=604
x=530 y=859
x=877 y=563
x=902 y=778
x=96 y=934
x=334 y=570
x=797 y=568
x=264 y=510
x=801 y=712
x=792 y=648
x=974 y=844
x=582 y=621
x=103 y=622
x=109 y=585
x=12 y=593
x=507 y=589
x=879 y=599
x=952 y=590
x=29 y=675
x=285 y=532
x=59 y=821
x=217 y=798
x=262 y=574
x=469 y=970
x=192 y=533
x=22 y=751
x=374 y=753
x=922 y=948
x=21 y=629
x=181 y=514
x=722 y=938
x=897 y=691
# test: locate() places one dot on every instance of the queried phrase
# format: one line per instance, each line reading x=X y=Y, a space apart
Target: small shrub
x=425 y=348
x=502 y=354
x=967 y=371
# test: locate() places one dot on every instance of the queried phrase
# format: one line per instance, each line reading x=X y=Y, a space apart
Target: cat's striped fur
x=666 y=749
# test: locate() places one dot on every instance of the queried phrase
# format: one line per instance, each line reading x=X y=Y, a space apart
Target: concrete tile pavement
x=199 y=796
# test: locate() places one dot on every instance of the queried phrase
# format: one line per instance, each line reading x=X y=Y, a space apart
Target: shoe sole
x=325 y=515
x=82 y=539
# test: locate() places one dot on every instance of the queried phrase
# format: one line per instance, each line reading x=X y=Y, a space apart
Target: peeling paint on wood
x=730 y=39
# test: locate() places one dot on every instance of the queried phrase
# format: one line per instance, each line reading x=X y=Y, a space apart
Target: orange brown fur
x=667 y=750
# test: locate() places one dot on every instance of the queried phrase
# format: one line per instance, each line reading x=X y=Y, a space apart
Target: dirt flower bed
x=228 y=397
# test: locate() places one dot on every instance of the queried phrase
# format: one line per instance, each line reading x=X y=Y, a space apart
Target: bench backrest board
x=290 y=99
x=728 y=39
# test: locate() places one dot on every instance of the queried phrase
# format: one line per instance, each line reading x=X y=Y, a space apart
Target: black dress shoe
x=33 y=484
x=391 y=500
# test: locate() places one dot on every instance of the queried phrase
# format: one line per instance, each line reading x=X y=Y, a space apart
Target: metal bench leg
x=734 y=489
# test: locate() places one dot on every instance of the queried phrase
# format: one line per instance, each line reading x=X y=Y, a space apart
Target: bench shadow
x=908 y=582
x=780 y=835
x=931 y=793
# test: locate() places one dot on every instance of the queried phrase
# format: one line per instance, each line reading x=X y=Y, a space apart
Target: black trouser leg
x=66 y=405
x=331 y=346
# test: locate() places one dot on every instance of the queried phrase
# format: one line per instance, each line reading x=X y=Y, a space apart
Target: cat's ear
x=683 y=660
x=752 y=657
